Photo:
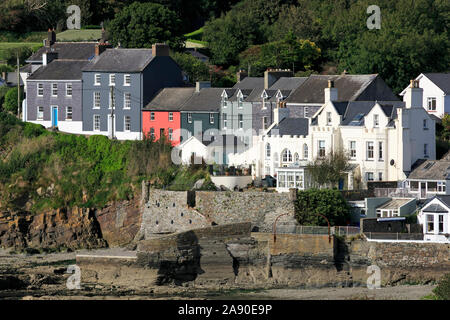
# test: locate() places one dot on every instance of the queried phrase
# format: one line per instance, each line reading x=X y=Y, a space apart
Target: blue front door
x=54 y=116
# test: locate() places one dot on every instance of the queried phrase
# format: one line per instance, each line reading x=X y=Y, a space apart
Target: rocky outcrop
x=55 y=229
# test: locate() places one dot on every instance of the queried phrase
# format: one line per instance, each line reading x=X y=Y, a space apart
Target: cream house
x=383 y=138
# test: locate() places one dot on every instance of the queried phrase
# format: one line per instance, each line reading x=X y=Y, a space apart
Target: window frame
x=67 y=113
x=321 y=152
x=125 y=124
x=40 y=86
x=380 y=151
x=376 y=120
x=240 y=121
x=170 y=116
x=211 y=118
x=98 y=77
x=112 y=76
x=189 y=117
x=95 y=100
x=152 y=116
x=96 y=116
x=54 y=86
x=431 y=99
x=67 y=90
x=170 y=135
x=125 y=83
x=329 y=119
x=39 y=112
x=126 y=101
x=352 y=150
x=370 y=151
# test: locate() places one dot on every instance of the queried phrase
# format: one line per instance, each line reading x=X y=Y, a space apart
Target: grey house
x=54 y=96
x=122 y=82
x=307 y=99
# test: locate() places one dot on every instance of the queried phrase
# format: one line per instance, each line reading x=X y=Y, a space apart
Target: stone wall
x=171 y=211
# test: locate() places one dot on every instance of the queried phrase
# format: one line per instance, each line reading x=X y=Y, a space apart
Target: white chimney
x=331 y=93
x=280 y=112
x=199 y=85
x=414 y=95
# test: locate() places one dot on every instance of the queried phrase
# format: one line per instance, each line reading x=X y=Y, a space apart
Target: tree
x=196 y=70
x=142 y=24
x=327 y=171
x=10 y=103
x=312 y=203
x=445 y=135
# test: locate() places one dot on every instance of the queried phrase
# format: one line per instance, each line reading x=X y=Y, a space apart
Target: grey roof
x=442 y=80
x=432 y=170
x=250 y=83
x=68 y=51
x=170 y=99
x=208 y=99
x=395 y=203
x=291 y=127
x=288 y=83
x=26 y=68
x=444 y=199
x=60 y=70
x=435 y=208
x=121 y=60
x=355 y=111
x=365 y=87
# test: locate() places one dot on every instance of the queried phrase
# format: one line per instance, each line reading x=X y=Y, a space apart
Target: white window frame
x=69 y=88
x=96 y=116
x=329 y=119
x=125 y=124
x=189 y=117
x=224 y=102
x=370 y=153
x=321 y=151
x=240 y=121
x=211 y=118
x=376 y=120
x=305 y=151
x=380 y=151
x=170 y=116
x=40 y=88
x=286 y=156
x=352 y=149
x=95 y=100
x=127 y=102
x=225 y=120
x=265 y=122
x=370 y=174
x=112 y=79
x=53 y=88
x=170 y=134
x=306 y=112
x=430 y=106
x=38 y=113
x=97 y=79
x=152 y=133
x=152 y=116
x=67 y=113
x=125 y=82
x=267 y=151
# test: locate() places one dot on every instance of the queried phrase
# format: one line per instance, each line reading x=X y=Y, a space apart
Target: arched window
x=286 y=156
x=305 y=151
x=268 y=151
x=296 y=157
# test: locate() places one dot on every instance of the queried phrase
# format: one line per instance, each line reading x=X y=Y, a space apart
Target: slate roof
x=250 y=83
x=170 y=99
x=444 y=199
x=288 y=83
x=291 y=127
x=350 y=88
x=121 y=60
x=442 y=80
x=60 y=70
x=208 y=99
x=67 y=51
x=353 y=111
x=432 y=170
x=435 y=208
x=395 y=203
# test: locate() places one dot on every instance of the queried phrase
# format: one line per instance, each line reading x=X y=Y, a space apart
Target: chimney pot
x=160 y=50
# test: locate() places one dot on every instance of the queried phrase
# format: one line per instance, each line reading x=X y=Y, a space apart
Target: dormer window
x=280 y=96
x=264 y=97
x=376 y=120
x=240 y=100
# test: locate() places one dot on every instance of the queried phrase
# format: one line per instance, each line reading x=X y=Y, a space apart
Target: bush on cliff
x=43 y=170
x=442 y=291
x=313 y=203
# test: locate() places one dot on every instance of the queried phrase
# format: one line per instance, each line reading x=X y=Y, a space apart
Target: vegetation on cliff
x=44 y=170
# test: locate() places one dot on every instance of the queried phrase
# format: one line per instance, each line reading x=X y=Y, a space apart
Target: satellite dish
x=392 y=162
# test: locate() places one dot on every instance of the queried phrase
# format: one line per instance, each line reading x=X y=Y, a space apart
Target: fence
x=393 y=236
x=338 y=230
x=393 y=192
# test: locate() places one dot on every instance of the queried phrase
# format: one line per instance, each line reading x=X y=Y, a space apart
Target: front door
x=423 y=190
x=54 y=116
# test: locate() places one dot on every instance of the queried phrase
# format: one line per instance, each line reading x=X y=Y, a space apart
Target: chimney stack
x=280 y=112
x=241 y=75
x=414 y=95
x=199 y=85
x=101 y=47
x=48 y=57
x=272 y=75
x=160 y=50
x=331 y=93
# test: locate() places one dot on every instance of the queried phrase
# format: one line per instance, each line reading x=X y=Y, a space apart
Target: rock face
x=62 y=228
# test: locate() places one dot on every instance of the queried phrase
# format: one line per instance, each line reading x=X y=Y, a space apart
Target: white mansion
x=383 y=140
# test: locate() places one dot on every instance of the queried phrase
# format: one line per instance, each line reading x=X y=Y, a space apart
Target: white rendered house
x=436 y=92
x=383 y=138
x=435 y=219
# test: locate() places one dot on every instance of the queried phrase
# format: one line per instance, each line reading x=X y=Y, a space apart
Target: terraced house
x=119 y=83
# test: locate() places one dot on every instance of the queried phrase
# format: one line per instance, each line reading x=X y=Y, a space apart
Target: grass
x=79 y=35
x=194 y=39
x=6 y=47
x=197 y=34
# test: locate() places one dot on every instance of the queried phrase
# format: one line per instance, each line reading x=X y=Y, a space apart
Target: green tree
x=312 y=203
x=10 y=103
x=442 y=291
x=142 y=24
x=327 y=171
x=194 y=68
x=445 y=134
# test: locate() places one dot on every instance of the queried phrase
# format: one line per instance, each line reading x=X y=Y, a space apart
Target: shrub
x=442 y=291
